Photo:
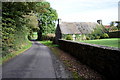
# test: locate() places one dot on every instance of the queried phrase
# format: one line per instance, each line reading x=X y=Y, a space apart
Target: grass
x=110 y=42
x=48 y=43
x=15 y=53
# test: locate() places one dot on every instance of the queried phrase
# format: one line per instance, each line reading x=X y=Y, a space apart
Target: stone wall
x=105 y=60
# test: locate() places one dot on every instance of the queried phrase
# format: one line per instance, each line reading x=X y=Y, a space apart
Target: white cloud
x=86 y=10
x=107 y=15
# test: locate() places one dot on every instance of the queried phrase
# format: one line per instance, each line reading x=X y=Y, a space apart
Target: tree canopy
x=19 y=20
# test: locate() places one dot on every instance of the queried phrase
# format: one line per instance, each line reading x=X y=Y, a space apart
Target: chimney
x=99 y=22
x=59 y=21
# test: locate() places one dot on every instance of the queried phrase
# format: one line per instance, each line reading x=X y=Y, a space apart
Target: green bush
x=98 y=32
x=77 y=36
x=87 y=38
x=69 y=37
x=113 y=28
x=105 y=35
x=97 y=37
x=48 y=37
x=92 y=37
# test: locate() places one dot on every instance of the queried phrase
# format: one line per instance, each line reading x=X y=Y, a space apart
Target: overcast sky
x=86 y=10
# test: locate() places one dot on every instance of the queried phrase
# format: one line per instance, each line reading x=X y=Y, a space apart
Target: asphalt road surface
x=36 y=62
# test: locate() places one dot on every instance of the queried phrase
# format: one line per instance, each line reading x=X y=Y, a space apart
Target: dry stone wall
x=105 y=60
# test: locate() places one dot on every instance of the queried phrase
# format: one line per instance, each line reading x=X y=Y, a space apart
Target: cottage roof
x=77 y=27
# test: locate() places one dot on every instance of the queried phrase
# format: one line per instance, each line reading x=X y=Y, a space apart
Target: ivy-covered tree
x=14 y=30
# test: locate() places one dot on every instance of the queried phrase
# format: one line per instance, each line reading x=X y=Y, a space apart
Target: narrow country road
x=36 y=62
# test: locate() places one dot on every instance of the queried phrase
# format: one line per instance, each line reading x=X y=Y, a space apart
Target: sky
x=86 y=10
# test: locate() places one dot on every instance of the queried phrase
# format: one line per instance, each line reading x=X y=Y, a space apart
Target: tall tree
x=46 y=20
x=32 y=24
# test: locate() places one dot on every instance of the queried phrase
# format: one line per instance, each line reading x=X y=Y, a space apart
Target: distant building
x=107 y=26
x=73 y=28
x=116 y=23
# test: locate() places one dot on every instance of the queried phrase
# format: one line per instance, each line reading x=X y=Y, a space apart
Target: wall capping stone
x=94 y=45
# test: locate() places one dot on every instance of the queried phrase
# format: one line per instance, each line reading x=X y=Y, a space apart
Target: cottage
x=73 y=28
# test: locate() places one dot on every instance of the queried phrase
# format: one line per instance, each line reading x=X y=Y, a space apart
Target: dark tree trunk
x=39 y=33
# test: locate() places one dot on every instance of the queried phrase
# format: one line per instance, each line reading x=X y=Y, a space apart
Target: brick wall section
x=105 y=60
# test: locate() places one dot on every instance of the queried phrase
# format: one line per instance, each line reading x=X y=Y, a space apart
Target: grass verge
x=110 y=42
x=48 y=43
x=15 y=53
